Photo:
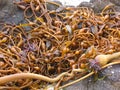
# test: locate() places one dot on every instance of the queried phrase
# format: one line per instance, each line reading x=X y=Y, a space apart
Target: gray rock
x=92 y=1
x=9 y=13
x=116 y=2
x=111 y=82
x=3 y=3
x=99 y=5
x=96 y=5
x=52 y=6
x=117 y=8
x=86 y=4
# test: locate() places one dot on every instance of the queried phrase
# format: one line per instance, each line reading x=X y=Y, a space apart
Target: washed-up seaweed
x=55 y=46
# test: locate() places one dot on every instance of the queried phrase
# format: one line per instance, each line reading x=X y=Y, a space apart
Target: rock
x=52 y=6
x=110 y=82
x=116 y=2
x=9 y=13
x=117 y=8
x=92 y=1
x=100 y=5
x=86 y=4
x=3 y=3
x=96 y=5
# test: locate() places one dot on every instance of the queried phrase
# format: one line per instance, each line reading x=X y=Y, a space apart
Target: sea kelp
x=55 y=46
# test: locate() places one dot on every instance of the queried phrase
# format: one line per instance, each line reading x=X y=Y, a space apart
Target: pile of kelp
x=55 y=46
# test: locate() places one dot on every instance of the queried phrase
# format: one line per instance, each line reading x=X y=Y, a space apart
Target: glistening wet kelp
x=55 y=46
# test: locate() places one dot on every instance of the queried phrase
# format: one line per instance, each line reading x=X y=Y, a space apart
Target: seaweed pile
x=55 y=46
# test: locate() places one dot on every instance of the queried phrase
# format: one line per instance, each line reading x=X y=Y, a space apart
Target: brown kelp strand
x=58 y=45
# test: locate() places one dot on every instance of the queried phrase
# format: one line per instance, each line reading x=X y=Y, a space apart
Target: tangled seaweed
x=55 y=46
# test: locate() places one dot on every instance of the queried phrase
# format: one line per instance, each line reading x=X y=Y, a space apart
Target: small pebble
x=112 y=72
